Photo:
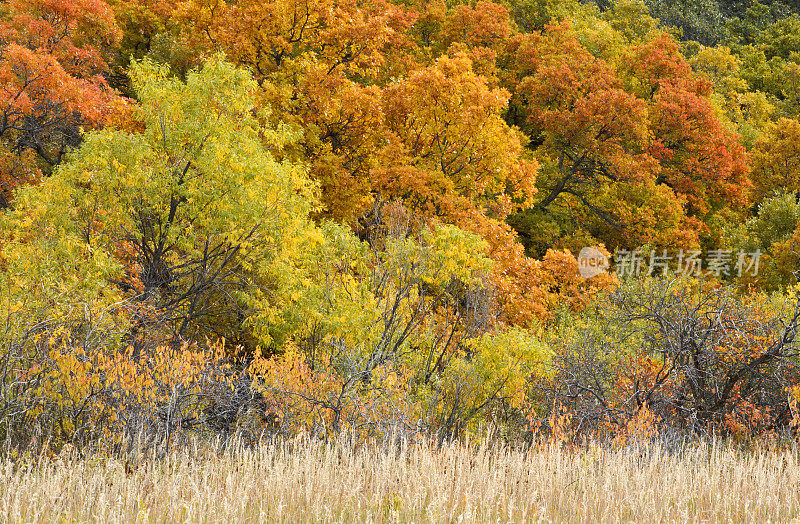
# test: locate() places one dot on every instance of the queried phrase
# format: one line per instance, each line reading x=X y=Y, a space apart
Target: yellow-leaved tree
x=152 y=242
x=403 y=337
x=145 y=245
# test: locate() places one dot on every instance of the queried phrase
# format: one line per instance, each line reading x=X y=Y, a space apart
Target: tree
x=623 y=144
x=774 y=233
x=51 y=59
x=205 y=226
x=269 y=36
x=148 y=30
x=531 y=15
x=700 y=360
x=456 y=159
x=593 y=138
x=404 y=337
x=699 y=20
x=487 y=25
x=321 y=66
x=766 y=41
x=776 y=159
x=699 y=158
x=455 y=152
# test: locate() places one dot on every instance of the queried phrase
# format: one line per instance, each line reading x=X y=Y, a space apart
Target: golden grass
x=302 y=481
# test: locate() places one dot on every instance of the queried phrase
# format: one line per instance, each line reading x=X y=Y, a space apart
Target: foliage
x=52 y=55
x=774 y=233
x=700 y=360
x=402 y=339
x=363 y=216
x=175 y=234
x=699 y=20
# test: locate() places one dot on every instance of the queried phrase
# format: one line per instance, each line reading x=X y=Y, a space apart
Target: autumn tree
x=196 y=218
x=699 y=157
x=457 y=159
x=776 y=159
x=349 y=79
x=145 y=246
x=699 y=360
x=623 y=143
x=404 y=339
x=592 y=136
x=773 y=233
x=531 y=15
x=320 y=66
x=53 y=58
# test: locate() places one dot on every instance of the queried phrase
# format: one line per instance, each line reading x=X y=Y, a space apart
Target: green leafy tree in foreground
x=202 y=224
x=149 y=242
x=404 y=338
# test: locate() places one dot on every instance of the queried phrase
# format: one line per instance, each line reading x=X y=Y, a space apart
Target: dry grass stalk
x=302 y=481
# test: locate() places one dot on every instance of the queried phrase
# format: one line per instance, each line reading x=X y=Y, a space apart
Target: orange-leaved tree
x=627 y=155
x=51 y=85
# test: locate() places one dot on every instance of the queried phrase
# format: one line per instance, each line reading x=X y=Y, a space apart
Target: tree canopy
x=357 y=214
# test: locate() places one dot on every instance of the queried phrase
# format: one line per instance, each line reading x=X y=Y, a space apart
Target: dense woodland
x=268 y=217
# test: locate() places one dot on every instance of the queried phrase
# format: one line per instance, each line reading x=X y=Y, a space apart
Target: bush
x=701 y=360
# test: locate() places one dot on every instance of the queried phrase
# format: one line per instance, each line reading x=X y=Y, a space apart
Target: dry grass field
x=308 y=482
